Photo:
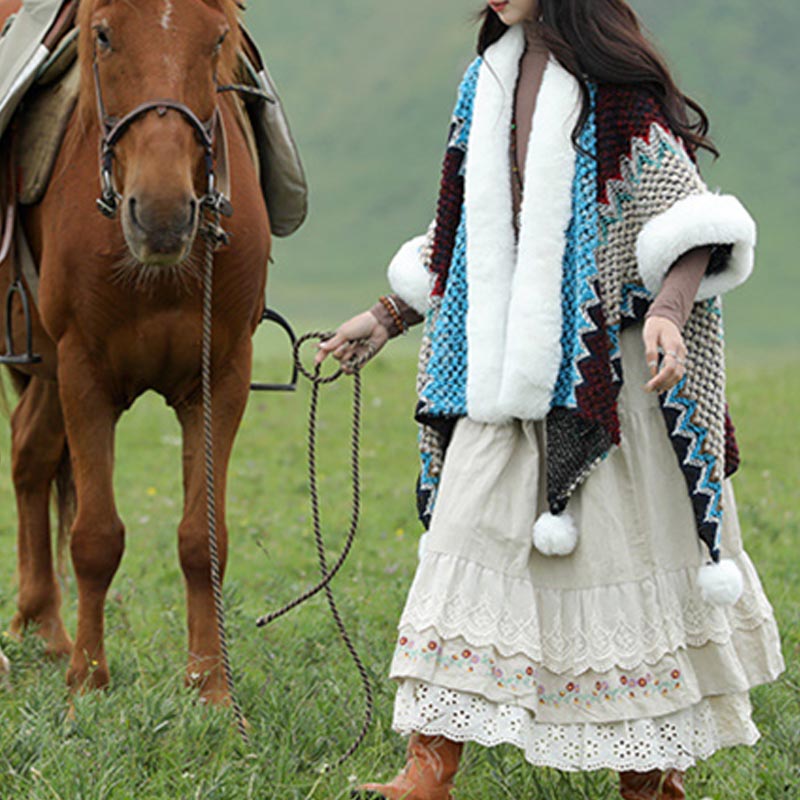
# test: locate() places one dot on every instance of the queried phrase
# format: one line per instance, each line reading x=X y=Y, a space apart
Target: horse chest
x=161 y=352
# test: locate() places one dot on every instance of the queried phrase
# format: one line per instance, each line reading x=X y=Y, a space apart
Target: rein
x=215 y=238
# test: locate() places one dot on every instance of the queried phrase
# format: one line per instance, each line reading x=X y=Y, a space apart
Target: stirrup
x=28 y=357
x=273 y=316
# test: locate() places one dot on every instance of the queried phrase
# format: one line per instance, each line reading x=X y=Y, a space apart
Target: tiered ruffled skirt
x=607 y=658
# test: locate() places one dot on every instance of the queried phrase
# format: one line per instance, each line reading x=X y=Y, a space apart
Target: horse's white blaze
x=172 y=69
x=166 y=17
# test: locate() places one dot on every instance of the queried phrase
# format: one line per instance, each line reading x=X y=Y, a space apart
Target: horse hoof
x=58 y=648
x=57 y=644
x=81 y=680
x=62 y=653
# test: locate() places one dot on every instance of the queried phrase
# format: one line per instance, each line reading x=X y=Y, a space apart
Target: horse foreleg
x=98 y=536
x=37 y=446
x=230 y=393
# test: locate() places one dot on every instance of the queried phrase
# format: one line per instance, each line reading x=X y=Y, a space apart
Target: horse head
x=150 y=70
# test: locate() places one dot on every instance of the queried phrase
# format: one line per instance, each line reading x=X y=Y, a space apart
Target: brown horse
x=120 y=312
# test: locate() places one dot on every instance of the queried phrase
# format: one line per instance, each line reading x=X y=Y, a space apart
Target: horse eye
x=220 y=42
x=102 y=38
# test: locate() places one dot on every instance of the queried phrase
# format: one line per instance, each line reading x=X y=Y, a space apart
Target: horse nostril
x=192 y=212
x=132 y=210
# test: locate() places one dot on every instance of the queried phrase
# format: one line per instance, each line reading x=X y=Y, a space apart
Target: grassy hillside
x=148 y=739
x=369 y=88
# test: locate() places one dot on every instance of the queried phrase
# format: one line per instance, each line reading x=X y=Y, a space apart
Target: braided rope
x=328 y=575
x=214 y=236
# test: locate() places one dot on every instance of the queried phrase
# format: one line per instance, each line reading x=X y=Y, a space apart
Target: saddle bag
x=283 y=181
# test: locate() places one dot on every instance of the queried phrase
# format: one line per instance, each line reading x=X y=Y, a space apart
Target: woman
x=572 y=597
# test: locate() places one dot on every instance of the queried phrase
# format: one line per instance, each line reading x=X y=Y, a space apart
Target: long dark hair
x=602 y=40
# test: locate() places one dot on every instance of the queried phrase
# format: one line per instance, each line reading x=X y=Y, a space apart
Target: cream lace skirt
x=607 y=658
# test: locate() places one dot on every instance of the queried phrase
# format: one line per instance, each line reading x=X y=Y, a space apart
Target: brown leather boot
x=432 y=763
x=673 y=788
x=654 y=785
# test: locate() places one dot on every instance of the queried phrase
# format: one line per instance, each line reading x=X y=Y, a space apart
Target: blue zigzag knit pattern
x=580 y=264
x=633 y=296
x=462 y=114
x=446 y=392
x=695 y=457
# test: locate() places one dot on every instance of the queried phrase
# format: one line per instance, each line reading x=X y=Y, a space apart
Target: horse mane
x=228 y=62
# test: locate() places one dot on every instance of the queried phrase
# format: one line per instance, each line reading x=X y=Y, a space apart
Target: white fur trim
x=695 y=221
x=409 y=277
x=491 y=246
x=555 y=535
x=533 y=340
x=514 y=292
x=721 y=584
x=422 y=547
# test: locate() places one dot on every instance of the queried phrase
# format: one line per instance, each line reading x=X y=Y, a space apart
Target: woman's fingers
x=349 y=344
x=668 y=376
x=329 y=346
x=651 y=350
x=663 y=338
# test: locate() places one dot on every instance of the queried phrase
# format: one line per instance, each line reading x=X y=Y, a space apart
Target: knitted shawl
x=528 y=326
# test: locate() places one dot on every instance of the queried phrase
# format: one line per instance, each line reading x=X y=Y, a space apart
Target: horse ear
x=226 y=6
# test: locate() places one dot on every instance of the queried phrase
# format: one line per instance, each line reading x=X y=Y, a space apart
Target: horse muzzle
x=160 y=234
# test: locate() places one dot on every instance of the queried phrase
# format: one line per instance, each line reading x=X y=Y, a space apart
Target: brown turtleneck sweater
x=678 y=292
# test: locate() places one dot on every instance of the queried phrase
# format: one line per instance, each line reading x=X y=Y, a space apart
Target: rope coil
x=327 y=574
x=215 y=237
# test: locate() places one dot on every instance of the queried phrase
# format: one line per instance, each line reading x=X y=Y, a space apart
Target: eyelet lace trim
x=674 y=741
x=621 y=625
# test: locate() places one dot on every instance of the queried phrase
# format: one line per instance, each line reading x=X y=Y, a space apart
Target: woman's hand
x=357 y=341
x=663 y=337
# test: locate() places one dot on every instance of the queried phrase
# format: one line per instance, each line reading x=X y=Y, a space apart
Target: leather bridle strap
x=114 y=129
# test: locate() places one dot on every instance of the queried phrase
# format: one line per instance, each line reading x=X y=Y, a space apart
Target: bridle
x=114 y=128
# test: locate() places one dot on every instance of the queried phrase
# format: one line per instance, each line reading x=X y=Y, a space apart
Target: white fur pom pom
x=721 y=584
x=422 y=546
x=555 y=535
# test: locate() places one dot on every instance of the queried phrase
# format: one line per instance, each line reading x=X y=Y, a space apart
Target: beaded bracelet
x=394 y=312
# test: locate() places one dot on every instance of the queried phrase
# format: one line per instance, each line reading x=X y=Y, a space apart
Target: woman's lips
x=498 y=7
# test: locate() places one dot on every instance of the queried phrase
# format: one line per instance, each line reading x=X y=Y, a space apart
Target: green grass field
x=148 y=737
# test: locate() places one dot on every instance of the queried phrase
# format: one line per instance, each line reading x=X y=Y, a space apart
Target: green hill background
x=369 y=87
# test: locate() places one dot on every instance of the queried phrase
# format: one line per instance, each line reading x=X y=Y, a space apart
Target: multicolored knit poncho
x=528 y=326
